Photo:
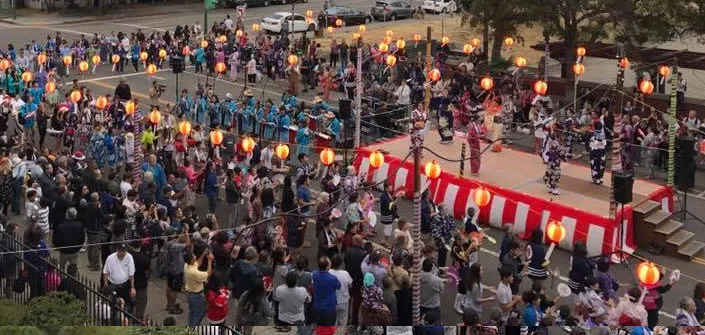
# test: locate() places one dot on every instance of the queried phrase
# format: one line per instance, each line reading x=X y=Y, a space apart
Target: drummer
x=332 y=126
x=283 y=122
x=303 y=137
x=319 y=106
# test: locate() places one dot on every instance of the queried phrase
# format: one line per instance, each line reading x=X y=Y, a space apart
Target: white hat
x=228 y=95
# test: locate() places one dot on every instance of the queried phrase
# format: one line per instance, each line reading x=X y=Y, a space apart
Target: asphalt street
x=104 y=81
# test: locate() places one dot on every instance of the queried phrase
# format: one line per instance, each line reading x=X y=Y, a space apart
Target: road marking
x=135 y=26
x=242 y=85
x=75 y=32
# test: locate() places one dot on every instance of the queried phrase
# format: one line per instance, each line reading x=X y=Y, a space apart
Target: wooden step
x=691 y=250
x=647 y=207
x=657 y=218
x=680 y=237
x=669 y=227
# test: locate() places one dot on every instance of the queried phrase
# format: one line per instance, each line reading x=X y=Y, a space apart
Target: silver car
x=386 y=10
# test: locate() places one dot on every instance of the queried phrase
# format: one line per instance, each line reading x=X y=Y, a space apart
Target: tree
x=498 y=18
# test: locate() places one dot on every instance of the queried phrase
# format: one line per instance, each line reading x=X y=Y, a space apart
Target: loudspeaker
x=347 y=139
x=684 y=169
x=623 y=184
x=345 y=109
x=177 y=64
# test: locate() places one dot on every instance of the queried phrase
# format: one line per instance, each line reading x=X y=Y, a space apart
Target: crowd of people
x=126 y=186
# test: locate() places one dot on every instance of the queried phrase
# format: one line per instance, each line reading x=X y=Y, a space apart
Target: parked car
x=297 y=23
x=349 y=16
x=439 y=6
x=387 y=10
x=259 y=3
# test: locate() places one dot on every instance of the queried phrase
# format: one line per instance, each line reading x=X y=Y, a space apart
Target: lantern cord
x=466 y=159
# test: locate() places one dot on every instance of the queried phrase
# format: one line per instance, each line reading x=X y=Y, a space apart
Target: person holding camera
x=194 y=280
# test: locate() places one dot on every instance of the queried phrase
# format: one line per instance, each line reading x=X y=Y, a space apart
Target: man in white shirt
x=228 y=22
x=292 y=300
x=402 y=93
x=252 y=71
x=119 y=272
x=507 y=302
x=343 y=294
x=125 y=185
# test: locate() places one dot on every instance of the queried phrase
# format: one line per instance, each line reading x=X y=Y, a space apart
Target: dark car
x=386 y=10
x=350 y=17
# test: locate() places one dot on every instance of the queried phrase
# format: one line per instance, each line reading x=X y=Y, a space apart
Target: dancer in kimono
x=445 y=123
x=651 y=143
x=598 y=143
x=474 y=135
x=111 y=149
x=554 y=155
x=626 y=138
x=569 y=132
x=97 y=146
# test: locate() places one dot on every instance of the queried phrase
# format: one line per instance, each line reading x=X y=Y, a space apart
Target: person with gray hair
x=685 y=314
x=69 y=238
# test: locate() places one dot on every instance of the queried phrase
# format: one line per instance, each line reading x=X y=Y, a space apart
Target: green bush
x=178 y=330
x=11 y=314
x=55 y=309
x=13 y=330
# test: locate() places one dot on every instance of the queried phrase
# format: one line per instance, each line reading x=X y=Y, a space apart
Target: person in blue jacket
x=334 y=126
x=289 y=99
x=532 y=313
x=28 y=116
x=283 y=123
x=319 y=106
x=227 y=111
x=581 y=268
x=200 y=56
x=303 y=138
x=186 y=105
x=260 y=119
x=272 y=118
x=36 y=92
x=537 y=264
x=200 y=109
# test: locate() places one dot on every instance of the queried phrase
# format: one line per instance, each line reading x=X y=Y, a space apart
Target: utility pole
x=417 y=144
x=205 y=17
x=358 y=92
x=672 y=123
x=616 y=161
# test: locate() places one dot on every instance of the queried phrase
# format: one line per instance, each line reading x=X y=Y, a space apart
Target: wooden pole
x=463 y=148
x=672 y=123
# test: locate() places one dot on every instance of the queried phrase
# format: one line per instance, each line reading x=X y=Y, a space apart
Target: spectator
x=685 y=314
x=431 y=289
x=353 y=262
x=194 y=280
x=69 y=237
x=342 y=310
x=244 y=275
x=217 y=297
x=92 y=219
x=143 y=268
x=119 y=274
x=175 y=250
x=325 y=286
x=373 y=311
x=291 y=301
x=699 y=298
x=371 y=264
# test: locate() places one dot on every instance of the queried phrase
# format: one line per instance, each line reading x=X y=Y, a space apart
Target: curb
x=88 y=19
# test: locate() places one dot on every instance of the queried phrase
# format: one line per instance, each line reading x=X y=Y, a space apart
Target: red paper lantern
x=115 y=59
x=362 y=29
x=338 y=23
x=401 y=44
x=155 y=116
x=540 y=87
x=67 y=60
x=376 y=159
x=624 y=62
x=555 y=231
x=4 y=64
x=186 y=50
x=581 y=51
x=282 y=151
x=248 y=144
x=50 y=87
x=648 y=273
x=309 y=13
x=220 y=67
x=216 y=137
x=83 y=66
x=391 y=60
x=101 y=102
x=475 y=42
x=520 y=61
x=143 y=56
x=27 y=76
x=95 y=59
x=467 y=48
x=702 y=147
x=162 y=53
x=417 y=38
x=204 y=44
x=292 y=59
x=239 y=33
x=255 y=26
x=664 y=70
x=578 y=69
x=646 y=87
x=482 y=197
x=508 y=41
x=383 y=47
x=184 y=127
x=390 y=33
x=327 y=156
x=151 y=69
x=130 y=107
x=41 y=58
x=434 y=75
x=487 y=83
x=445 y=40
x=432 y=170
x=76 y=96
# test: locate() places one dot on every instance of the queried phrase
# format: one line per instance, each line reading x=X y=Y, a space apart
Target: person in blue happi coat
x=303 y=138
x=272 y=119
x=200 y=109
x=289 y=99
x=319 y=106
x=333 y=126
x=227 y=111
x=283 y=123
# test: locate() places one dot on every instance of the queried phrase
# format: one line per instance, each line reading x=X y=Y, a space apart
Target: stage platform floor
x=523 y=172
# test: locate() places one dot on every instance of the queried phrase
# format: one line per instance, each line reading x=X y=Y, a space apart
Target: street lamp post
x=417 y=144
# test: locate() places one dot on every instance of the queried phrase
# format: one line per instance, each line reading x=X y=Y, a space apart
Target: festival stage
x=519 y=196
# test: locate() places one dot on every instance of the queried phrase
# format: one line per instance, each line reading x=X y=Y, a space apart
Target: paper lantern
x=101 y=102
x=391 y=60
x=155 y=116
x=383 y=47
x=356 y=37
x=327 y=156
x=475 y=42
x=646 y=87
x=388 y=40
x=445 y=40
x=417 y=38
x=482 y=197
x=186 y=50
x=75 y=96
x=580 y=51
x=130 y=107
x=540 y=87
x=390 y=33
x=330 y=29
x=508 y=41
x=162 y=53
x=467 y=48
x=434 y=75
x=220 y=67
x=222 y=39
x=578 y=69
x=401 y=44
x=67 y=60
x=204 y=44
x=282 y=151
x=309 y=13
x=239 y=33
x=50 y=87
x=362 y=29
x=555 y=231
x=151 y=69
x=338 y=23
x=143 y=56
x=376 y=159
x=648 y=273
x=216 y=137
x=520 y=61
x=4 y=64
x=248 y=144
x=83 y=66
x=292 y=59
x=432 y=170
x=664 y=70
x=27 y=76
x=115 y=59
x=41 y=58
x=624 y=62
x=255 y=26
x=184 y=127
x=487 y=83
x=95 y=59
